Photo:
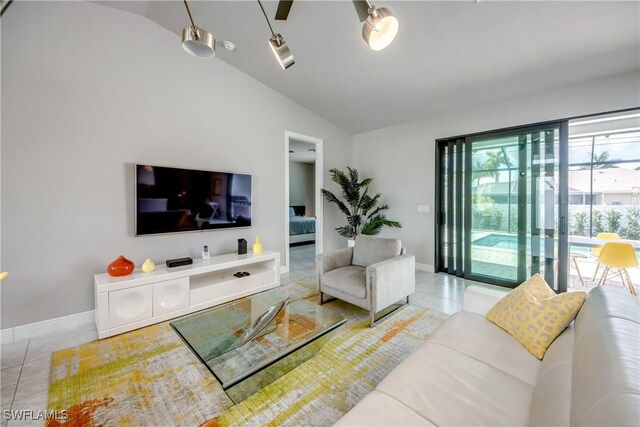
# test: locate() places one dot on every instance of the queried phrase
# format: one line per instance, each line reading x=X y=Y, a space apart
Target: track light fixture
x=196 y=41
x=380 y=27
x=278 y=45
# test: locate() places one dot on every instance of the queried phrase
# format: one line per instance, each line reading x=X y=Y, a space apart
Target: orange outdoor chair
x=596 y=251
x=618 y=256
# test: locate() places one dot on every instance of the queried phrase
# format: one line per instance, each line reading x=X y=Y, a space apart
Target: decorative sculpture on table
x=148 y=266
x=120 y=267
x=257 y=246
x=259 y=326
x=242 y=247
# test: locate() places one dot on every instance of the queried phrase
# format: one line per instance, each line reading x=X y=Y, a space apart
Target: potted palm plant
x=364 y=216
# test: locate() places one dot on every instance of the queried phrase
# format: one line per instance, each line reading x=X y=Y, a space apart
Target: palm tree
x=363 y=214
x=479 y=172
x=495 y=159
x=599 y=159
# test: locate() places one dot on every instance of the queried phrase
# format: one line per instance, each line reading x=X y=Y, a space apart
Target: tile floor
x=302 y=258
x=24 y=379
x=26 y=363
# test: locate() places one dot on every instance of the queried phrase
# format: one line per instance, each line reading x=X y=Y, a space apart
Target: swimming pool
x=502 y=241
x=510 y=241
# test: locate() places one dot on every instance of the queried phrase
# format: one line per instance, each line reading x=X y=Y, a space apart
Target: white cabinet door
x=130 y=305
x=170 y=295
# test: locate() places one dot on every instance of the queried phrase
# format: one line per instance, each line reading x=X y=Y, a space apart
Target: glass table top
x=238 y=339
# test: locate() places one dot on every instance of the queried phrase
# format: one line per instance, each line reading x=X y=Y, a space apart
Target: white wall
x=401 y=158
x=302 y=186
x=87 y=91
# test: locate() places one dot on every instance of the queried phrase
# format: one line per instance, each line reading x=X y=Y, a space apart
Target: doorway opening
x=303 y=201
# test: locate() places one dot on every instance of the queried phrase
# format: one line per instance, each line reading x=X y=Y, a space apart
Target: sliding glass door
x=501 y=216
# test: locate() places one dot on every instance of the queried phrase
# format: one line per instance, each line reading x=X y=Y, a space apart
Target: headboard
x=299 y=210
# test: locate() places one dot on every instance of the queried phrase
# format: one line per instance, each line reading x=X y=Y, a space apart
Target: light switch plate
x=423 y=208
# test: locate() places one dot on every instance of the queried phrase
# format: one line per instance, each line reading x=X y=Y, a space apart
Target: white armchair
x=375 y=274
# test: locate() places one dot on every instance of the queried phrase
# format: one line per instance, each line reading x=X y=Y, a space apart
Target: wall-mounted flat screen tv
x=172 y=200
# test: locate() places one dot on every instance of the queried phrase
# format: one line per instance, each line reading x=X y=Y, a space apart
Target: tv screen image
x=171 y=200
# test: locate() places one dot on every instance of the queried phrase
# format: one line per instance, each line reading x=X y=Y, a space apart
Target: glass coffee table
x=251 y=342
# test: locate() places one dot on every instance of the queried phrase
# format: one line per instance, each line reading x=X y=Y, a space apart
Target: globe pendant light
x=380 y=27
x=196 y=41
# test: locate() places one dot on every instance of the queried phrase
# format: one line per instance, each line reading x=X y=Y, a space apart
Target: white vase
x=148 y=266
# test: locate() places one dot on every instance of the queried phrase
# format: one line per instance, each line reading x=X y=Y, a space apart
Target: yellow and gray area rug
x=149 y=377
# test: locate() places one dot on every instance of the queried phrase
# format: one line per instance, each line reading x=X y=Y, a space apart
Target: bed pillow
x=291 y=212
x=534 y=315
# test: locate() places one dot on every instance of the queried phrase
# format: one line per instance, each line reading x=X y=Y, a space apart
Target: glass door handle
x=442 y=218
x=563 y=227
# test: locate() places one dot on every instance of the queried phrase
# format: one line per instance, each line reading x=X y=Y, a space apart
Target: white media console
x=142 y=299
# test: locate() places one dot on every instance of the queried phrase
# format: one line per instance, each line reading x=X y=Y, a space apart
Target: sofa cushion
x=474 y=336
x=606 y=362
x=350 y=279
x=534 y=315
x=480 y=300
x=370 y=250
x=606 y=302
x=379 y=409
x=551 y=404
x=450 y=388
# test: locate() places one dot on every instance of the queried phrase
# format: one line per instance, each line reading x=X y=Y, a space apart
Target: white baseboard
x=47 y=326
x=284 y=269
x=424 y=267
x=6 y=335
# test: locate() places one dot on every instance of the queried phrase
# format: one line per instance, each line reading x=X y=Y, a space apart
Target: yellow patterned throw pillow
x=534 y=315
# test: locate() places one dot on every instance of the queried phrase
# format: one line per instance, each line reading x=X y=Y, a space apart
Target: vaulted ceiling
x=447 y=55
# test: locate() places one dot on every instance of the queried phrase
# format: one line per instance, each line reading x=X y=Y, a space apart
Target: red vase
x=120 y=267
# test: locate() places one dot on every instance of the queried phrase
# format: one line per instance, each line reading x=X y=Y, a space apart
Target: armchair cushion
x=334 y=259
x=370 y=250
x=350 y=279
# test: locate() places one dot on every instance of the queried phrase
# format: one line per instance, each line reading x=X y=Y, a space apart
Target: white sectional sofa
x=470 y=372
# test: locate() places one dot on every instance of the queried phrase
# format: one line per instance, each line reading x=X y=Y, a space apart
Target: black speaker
x=179 y=261
x=242 y=246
